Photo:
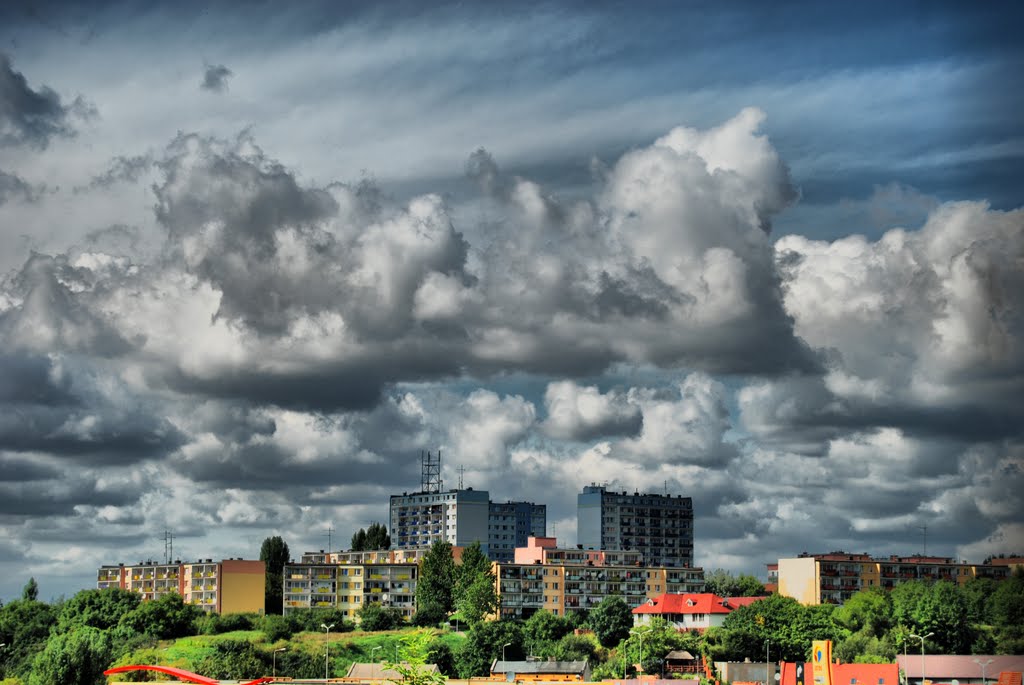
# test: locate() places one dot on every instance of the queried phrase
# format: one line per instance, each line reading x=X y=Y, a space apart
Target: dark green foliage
x=76 y=657
x=475 y=597
x=274 y=553
x=164 y=618
x=575 y=648
x=312 y=619
x=31 y=590
x=484 y=644
x=374 y=617
x=436 y=581
x=296 y=664
x=429 y=616
x=610 y=620
x=24 y=628
x=724 y=584
x=868 y=612
x=97 y=609
x=373 y=538
x=976 y=593
x=789 y=626
x=236 y=660
x=276 y=627
x=442 y=655
x=543 y=630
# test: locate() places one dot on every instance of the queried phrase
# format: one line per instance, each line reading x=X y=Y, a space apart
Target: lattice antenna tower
x=168 y=546
x=430 y=478
x=462 y=471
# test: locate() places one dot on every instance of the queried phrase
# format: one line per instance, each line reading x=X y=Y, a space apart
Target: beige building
x=223 y=587
x=835 y=577
x=564 y=580
x=350 y=580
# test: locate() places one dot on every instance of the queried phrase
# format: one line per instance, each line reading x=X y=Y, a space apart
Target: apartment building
x=226 y=586
x=659 y=526
x=563 y=580
x=422 y=518
x=834 y=577
x=335 y=581
x=511 y=524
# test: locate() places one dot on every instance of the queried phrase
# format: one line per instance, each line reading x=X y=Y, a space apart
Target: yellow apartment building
x=226 y=586
x=834 y=577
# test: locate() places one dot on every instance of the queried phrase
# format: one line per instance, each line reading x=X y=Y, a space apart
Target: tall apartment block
x=658 y=526
x=562 y=581
x=511 y=524
x=458 y=516
x=834 y=577
x=223 y=587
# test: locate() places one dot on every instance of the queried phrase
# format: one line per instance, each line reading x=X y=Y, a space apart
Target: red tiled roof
x=693 y=603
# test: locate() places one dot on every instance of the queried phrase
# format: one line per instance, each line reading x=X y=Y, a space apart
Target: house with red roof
x=692 y=611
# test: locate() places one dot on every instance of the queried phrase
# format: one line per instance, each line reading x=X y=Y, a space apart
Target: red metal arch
x=179 y=673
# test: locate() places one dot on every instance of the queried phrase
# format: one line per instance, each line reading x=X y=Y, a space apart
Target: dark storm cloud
x=59 y=497
x=29 y=116
x=52 y=406
x=215 y=78
x=18 y=469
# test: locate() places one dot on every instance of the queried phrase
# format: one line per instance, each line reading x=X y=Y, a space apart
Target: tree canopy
x=275 y=554
x=610 y=620
x=434 y=588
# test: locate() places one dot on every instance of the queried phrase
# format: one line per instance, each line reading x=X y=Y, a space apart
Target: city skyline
x=254 y=262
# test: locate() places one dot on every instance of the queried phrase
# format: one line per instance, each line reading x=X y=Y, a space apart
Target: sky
x=256 y=258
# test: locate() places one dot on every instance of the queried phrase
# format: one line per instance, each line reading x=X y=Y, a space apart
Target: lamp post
x=922 y=639
x=767 y=644
x=396 y=653
x=981 y=663
x=640 y=636
x=507 y=644
x=279 y=649
x=327 y=649
x=374 y=650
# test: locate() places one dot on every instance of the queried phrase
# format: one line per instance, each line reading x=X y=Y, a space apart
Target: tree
x=374 y=617
x=165 y=618
x=412 y=666
x=543 y=630
x=611 y=620
x=484 y=644
x=377 y=537
x=359 y=540
x=24 y=628
x=233 y=659
x=723 y=584
x=868 y=611
x=749 y=586
x=100 y=609
x=434 y=599
x=274 y=553
x=479 y=600
x=475 y=596
x=77 y=657
x=31 y=590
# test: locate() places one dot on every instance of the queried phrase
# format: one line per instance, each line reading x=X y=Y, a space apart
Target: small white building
x=694 y=611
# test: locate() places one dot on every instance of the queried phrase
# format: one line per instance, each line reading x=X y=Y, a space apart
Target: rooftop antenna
x=462 y=470
x=168 y=546
x=430 y=472
x=329 y=531
x=924 y=536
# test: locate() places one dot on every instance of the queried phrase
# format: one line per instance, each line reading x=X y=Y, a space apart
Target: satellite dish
x=778 y=677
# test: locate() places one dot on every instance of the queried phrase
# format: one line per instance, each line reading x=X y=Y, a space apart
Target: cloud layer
x=214 y=326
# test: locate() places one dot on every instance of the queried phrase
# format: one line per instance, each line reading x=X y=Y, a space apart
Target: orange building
x=227 y=586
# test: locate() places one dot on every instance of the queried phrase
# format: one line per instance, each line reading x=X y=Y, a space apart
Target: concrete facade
x=659 y=526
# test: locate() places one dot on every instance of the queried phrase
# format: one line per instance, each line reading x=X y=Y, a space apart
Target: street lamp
x=279 y=649
x=327 y=650
x=767 y=644
x=922 y=639
x=507 y=644
x=640 y=636
x=981 y=663
x=374 y=650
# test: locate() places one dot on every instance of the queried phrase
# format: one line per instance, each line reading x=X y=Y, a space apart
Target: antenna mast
x=430 y=470
x=329 y=531
x=168 y=546
x=924 y=536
